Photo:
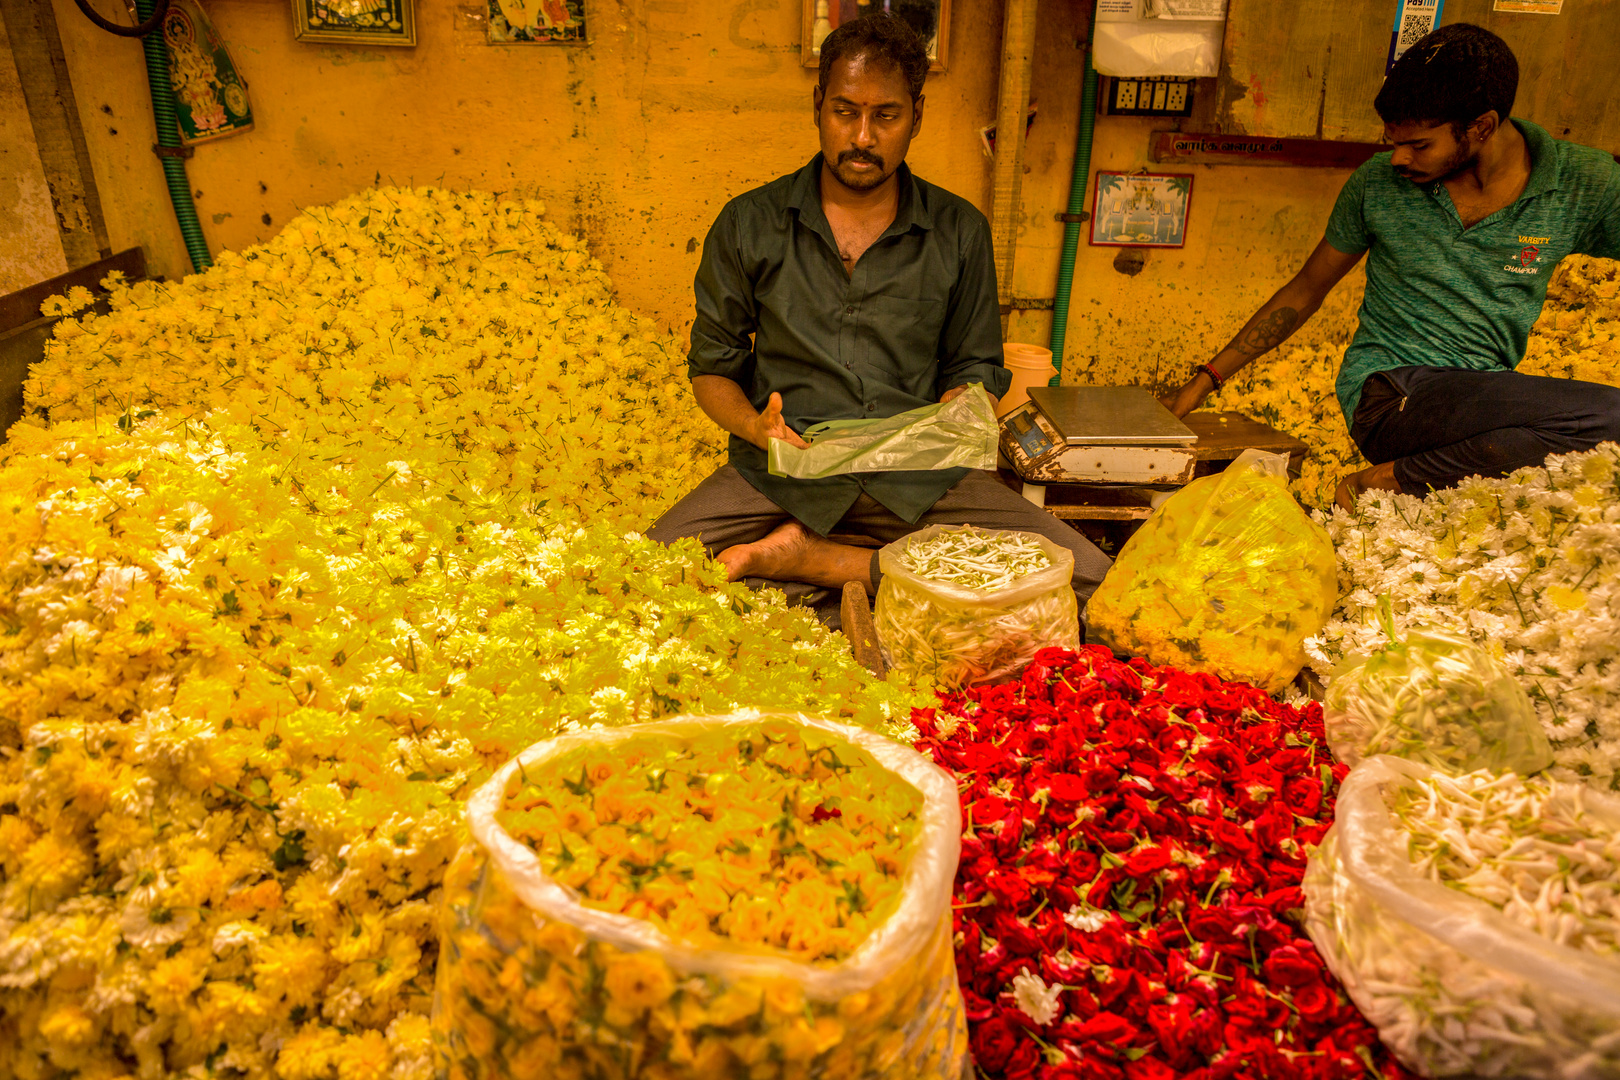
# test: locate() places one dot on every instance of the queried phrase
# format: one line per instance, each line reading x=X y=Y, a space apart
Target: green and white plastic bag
x=958 y=434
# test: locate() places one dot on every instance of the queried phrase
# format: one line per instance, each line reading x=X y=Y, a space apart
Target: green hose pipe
x=1077 y=204
x=168 y=135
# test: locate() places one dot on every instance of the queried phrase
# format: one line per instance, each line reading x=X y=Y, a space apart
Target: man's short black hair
x=883 y=37
x=1452 y=76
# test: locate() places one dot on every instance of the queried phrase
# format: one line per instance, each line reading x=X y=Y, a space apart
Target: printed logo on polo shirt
x=1528 y=256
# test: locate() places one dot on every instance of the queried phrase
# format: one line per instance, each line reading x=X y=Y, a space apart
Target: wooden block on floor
x=861 y=630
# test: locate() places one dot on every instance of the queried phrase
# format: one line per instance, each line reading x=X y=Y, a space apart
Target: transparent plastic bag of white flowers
x=959 y=636
x=528 y=974
x=1455 y=986
x=1434 y=697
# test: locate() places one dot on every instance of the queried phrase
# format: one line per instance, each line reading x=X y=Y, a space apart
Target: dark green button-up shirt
x=777 y=313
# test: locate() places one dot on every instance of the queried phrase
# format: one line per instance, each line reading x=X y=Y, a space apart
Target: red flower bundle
x=1128 y=901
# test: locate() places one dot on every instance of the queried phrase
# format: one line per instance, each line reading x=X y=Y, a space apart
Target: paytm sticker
x=1414 y=19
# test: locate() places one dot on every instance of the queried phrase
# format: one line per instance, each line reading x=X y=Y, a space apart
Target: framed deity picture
x=1141 y=209
x=930 y=18
x=355 y=22
x=537 y=22
x=211 y=100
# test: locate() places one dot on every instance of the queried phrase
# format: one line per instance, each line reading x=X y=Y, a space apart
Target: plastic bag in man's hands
x=1458 y=985
x=958 y=636
x=533 y=981
x=960 y=433
x=1435 y=698
x=1229 y=576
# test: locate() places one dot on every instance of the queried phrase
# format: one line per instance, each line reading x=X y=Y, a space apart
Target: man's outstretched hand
x=770 y=425
x=956 y=390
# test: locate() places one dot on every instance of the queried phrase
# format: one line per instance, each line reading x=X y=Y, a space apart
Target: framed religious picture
x=210 y=98
x=355 y=22
x=930 y=18
x=1141 y=209
x=536 y=22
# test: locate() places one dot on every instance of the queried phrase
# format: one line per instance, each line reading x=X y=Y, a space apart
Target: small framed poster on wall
x=537 y=22
x=355 y=22
x=1140 y=209
x=930 y=18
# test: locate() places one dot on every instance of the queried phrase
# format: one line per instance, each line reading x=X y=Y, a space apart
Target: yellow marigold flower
x=639 y=981
x=16 y=837
x=172 y=981
x=54 y=865
x=68 y=1024
x=310 y=1054
x=364 y=1056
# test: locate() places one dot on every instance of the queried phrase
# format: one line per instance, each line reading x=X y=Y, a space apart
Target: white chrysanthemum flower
x=1037 y=1000
x=234 y=934
x=145 y=926
x=113 y=586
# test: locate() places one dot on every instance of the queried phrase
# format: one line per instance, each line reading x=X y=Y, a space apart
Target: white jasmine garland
x=1527 y=565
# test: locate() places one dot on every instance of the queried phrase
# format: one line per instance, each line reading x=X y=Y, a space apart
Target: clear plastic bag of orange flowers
x=760 y=895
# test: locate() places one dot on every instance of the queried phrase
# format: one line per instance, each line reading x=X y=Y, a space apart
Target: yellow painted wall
x=30 y=245
x=638 y=139
x=1249 y=230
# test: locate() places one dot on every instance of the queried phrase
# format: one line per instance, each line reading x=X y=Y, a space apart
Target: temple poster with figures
x=355 y=22
x=1140 y=209
x=211 y=99
x=537 y=22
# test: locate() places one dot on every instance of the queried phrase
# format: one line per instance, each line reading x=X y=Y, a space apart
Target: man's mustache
x=860 y=155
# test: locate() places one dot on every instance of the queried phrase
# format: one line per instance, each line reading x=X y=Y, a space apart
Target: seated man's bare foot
x=1373 y=478
x=775 y=557
x=791 y=552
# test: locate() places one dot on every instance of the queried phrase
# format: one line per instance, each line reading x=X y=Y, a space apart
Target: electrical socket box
x=1154 y=95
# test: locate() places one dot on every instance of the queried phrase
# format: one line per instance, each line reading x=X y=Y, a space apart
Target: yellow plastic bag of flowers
x=760 y=895
x=961 y=605
x=1229 y=576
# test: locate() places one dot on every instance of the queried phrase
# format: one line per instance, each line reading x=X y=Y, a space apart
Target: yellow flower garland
x=308 y=544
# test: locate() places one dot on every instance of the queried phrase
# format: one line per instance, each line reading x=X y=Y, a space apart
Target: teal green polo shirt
x=1441 y=295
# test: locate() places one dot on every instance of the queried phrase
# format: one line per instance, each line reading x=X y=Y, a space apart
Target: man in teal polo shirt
x=1462 y=224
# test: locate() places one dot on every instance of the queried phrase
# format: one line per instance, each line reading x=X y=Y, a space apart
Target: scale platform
x=1097 y=435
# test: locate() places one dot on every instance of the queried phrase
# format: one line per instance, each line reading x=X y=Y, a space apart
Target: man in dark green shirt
x=1463 y=224
x=849 y=289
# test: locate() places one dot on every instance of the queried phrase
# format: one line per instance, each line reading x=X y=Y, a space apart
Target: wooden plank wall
x=1312 y=70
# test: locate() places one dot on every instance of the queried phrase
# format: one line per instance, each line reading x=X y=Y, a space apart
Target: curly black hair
x=879 y=36
x=1454 y=75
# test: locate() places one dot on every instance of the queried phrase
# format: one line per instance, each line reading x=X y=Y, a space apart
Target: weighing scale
x=1096 y=435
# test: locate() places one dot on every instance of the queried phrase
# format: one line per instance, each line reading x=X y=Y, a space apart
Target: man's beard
x=859 y=181
x=1462 y=159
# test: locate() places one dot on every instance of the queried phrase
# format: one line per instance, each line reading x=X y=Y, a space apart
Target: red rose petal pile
x=1134 y=839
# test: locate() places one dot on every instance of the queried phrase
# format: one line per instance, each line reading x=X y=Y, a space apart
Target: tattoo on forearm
x=1266 y=334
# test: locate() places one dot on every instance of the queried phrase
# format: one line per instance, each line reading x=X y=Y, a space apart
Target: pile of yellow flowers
x=773 y=836
x=770 y=900
x=1292 y=388
x=293 y=553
